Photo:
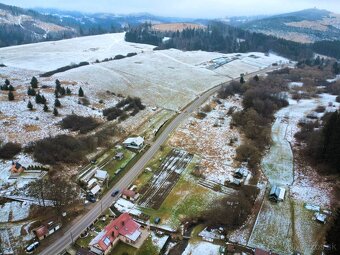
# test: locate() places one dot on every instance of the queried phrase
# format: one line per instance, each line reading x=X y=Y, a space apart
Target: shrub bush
x=75 y=123
x=9 y=150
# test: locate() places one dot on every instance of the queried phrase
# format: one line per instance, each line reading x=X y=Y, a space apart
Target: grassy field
x=114 y=165
x=147 y=249
x=145 y=176
x=186 y=199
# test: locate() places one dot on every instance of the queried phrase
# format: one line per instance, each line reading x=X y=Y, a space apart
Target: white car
x=32 y=247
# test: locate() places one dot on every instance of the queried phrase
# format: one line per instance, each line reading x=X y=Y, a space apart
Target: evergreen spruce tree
x=56 y=93
x=38 y=98
x=11 y=88
x=30 y=105
x=55 y=112
x=7 y=82
x=57 y=85
x=242 y=81
x=57 y=103
x=4 y=87
x=256 y=78
x=45 y=108
x=31 y=92
x=34 y=82
x=68 y=91
x=43 y=99
x=10 y=96
x=62 y=91
x=81 y=92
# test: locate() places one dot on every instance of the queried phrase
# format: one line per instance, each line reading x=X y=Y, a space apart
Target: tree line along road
x=74 y=231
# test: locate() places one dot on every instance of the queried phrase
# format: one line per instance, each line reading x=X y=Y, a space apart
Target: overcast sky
x=182 y=8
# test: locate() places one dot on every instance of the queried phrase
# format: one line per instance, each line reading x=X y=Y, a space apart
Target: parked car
x=115 y=193
x=157 y=220
x=91 y=198
x=32 y=247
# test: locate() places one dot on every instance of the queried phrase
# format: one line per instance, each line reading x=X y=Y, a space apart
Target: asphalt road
x=74 y=231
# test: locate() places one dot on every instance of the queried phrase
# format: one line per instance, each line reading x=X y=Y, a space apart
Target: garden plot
x=273 y=228
x=14 y=211
x=187 y=199
x=165 y=178
x=14 y=236
x=210 y=138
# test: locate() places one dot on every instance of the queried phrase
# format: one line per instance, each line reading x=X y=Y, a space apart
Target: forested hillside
x=227 y=39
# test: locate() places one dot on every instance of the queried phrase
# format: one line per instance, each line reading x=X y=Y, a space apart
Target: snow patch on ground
x=124 y=205
x=14 y=211
x=159 y=241
x=201 y=248
x=210 y=139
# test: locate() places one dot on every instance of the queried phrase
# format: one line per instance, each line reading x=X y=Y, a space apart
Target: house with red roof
x=124 y=229
x=45 y=230
x=17 y=168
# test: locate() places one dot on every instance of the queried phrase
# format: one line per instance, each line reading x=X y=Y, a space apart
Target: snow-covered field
x=168 y=78
x=201 y=248
x=159 y=241
x=288 y=226
x=210 y=139
x=47 y=56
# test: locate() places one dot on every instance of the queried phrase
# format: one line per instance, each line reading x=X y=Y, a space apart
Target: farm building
x=91 y=183
x=277 y=193
x=124 y=229
x=119 y=155
x=45 y=230
x=95 y=190
x=236 y=182
x=241 y=172
x=129 y=194
x=320 y=217
x=101 y=175
x=17 y=168
x=134 y=142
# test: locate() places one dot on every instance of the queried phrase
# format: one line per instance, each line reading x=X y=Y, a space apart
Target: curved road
x=74 y=231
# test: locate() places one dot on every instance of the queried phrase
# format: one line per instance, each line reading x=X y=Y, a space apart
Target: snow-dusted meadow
x=210 y=140
x=288 y=226
x=167 y=78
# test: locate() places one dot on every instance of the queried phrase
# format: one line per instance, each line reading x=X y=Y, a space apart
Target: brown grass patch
x=69 y=83
x=31 y=128
x=176 y=26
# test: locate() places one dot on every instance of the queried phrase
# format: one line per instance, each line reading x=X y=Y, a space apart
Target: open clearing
x=209 y=138
x=165 y=178
x=288 y=226
x=149 y=74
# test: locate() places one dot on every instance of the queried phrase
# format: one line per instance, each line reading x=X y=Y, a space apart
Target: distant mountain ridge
x=306 y=26
x=22 y=26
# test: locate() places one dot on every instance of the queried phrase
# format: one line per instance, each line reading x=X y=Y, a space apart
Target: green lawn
x=154 y=164
x=114 y=165
x=186 y=199
x=147 y=249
